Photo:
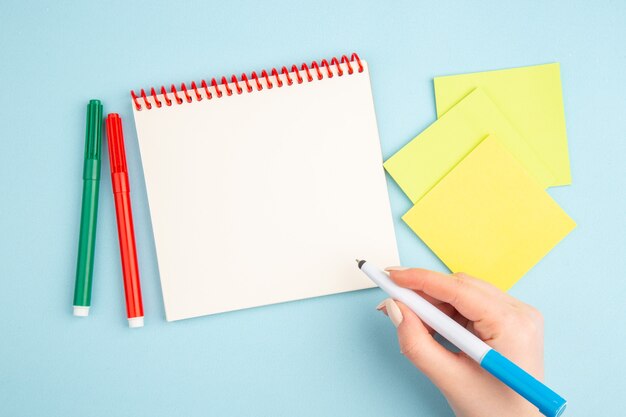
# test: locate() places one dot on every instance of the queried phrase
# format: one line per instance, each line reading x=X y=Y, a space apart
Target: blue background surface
x=328 y=356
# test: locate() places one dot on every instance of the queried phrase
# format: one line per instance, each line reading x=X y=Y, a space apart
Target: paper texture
x=530 y=98
x=489 y=218
x=419 y=165
x=267 y=196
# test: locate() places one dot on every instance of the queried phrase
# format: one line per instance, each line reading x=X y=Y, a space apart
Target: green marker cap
x=93 y=141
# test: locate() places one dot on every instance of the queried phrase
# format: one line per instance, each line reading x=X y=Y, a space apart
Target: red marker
x=125 y=229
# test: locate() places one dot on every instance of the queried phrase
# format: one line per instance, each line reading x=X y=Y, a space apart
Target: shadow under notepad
x=144 y=234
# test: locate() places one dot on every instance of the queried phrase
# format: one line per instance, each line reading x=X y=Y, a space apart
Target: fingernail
x=393 y=311
x=396 y=268
x=380 y=305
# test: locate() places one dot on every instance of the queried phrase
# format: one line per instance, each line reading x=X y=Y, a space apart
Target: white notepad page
x=265 y=196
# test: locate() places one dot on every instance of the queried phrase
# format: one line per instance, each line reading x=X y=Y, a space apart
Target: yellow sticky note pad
x=530 y=98
x=419 y=165
x=489 y=218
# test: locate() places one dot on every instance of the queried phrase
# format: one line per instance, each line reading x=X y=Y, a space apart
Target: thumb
x=440 y=365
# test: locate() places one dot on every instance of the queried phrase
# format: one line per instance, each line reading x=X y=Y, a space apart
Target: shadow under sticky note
x=532 y=101
x=489 y=218
x=424 y=161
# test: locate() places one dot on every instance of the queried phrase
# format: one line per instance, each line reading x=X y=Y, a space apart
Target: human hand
x=509 y=326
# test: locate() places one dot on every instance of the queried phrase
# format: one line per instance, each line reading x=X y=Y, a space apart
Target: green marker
x=89 y=211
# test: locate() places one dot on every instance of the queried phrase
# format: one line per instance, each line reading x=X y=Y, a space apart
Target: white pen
x=547 y=401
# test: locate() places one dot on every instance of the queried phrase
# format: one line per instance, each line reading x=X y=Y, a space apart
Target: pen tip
x=357 y=261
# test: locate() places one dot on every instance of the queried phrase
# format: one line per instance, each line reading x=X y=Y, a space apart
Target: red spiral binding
x=234 y=79
x=285 y=71
x=267 y=79
x=217 y=90
x=173 y=90
x=275 y=74
x=345 y=60
x=322 y=69
x=244 y=78
x=229 y=92
x=355 y=56
x=255 y=77
x=328 y=71
x=167 y=99
x=317 y=68
x=145 y=99
x=154 y=97
x=305 y=67
x=336 y=63
x=187 y=96
x=295 y=68
x=134 y=97
x=206 y=89
x=195 y=89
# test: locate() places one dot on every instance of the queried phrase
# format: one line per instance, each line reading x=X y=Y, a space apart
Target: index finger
x=473 y=301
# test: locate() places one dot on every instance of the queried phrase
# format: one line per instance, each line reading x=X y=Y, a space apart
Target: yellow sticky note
x=530 y=98
x=419 y=165
x=489 y=218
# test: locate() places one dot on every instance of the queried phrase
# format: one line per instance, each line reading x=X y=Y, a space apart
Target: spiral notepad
x=264 y=187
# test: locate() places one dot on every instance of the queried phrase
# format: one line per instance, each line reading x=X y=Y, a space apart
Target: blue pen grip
x=547 y=401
